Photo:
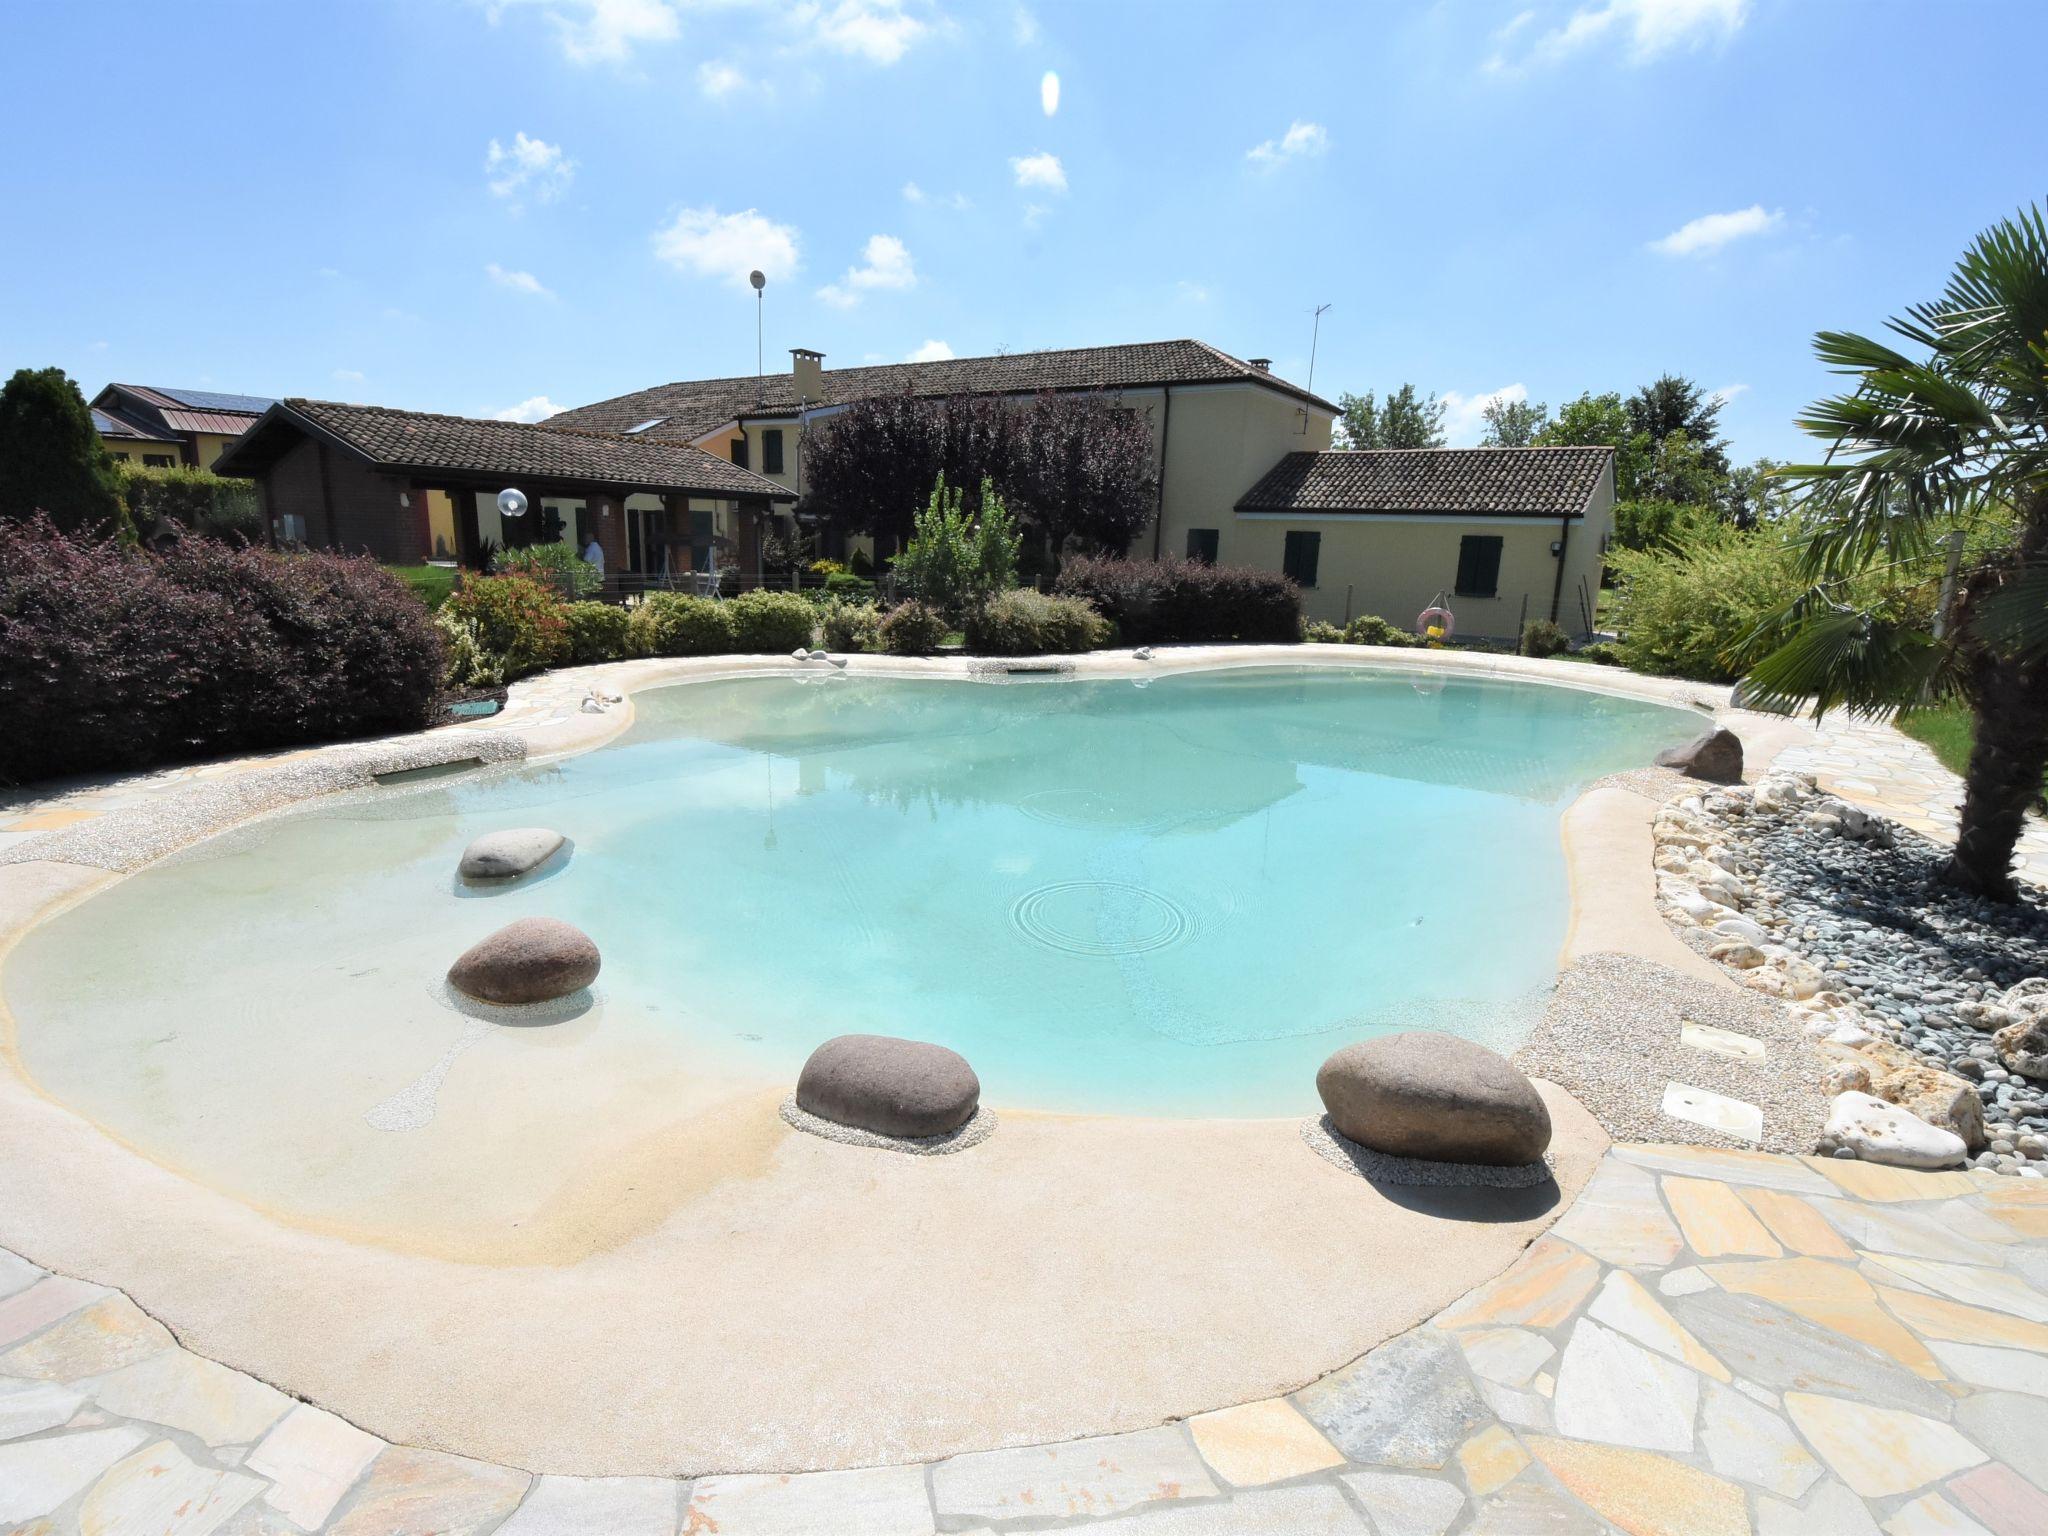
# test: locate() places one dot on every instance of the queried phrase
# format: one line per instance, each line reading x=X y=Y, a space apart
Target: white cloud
x=718 y=79
x=706 y=243
x=957 y=201
x=1710 y=231
x=931 y=352
x=1040 y=170
x=527 y=168
x=1049 y=92
x=602 y=31
x=885 y=263
x=1193 y=293
x=1651 y=28
x=880 y=31
x=348 y=376
x=96 y=346
x=329 y=272
x=1299 y=140
x=518 y=282
x=537 y=408
x=1465 y=415
x=1727 y=392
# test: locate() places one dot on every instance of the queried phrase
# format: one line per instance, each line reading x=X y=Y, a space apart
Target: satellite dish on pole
x=512 y=503
x=759 y=279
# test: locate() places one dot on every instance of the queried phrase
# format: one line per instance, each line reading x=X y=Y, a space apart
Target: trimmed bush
x=771 y=622
x=849 y=626
x=1026 y=623
x=676 y=624
x=555 y=566
x=1371 y=629
x=517 y=622
x=846 y=584
x=1162 y=601
x=118 y=658
x=198 y=499
x=1541 y=638
x=1604 y=653
x=1319 y=632
x=912 y=629
x=593 y=632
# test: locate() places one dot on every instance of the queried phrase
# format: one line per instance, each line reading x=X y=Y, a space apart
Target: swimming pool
x=1169 y=896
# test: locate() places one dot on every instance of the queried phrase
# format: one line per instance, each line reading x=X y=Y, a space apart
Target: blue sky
x=488 y=207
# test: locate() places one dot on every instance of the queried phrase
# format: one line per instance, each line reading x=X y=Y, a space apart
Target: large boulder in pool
x=534 y=960
x=889 y=1086
x=1425 y=1094
x=1715 y=757
x=509 y=854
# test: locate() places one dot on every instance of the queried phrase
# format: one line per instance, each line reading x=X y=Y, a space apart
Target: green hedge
x=198 y=499
x=1022 y=622
x=676 y=624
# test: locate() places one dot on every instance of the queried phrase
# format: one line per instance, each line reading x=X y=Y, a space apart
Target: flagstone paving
x=1709 y=1343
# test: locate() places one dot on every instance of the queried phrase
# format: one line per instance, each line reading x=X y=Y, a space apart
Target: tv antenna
x=1315 y=336
x=760 y=280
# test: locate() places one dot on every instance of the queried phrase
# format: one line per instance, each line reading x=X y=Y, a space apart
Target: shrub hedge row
x=1161 y=601
x=1022 y=622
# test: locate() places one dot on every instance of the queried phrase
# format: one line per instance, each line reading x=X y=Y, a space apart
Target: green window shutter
x=1479 y=565
x=1302 y=554
x=702 y=526
x=1202 y=545
x=739 y=450
x=771 y=451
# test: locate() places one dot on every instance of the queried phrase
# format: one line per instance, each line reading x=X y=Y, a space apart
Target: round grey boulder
x=1715 y=757
x=534 y=960
x=509 y=854
x=889 y=1086
x=1425 y=1094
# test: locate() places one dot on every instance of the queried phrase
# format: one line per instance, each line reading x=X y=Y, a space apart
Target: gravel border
x=1611 y=1038
x=972 y=1134
x=1340 y=1151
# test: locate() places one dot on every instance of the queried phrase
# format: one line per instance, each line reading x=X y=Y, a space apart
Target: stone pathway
x=1713 y=1343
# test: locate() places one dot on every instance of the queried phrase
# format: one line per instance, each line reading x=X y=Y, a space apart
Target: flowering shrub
x=1027 y=623
x=518 y=623
x=119 y=658
x=676 y=624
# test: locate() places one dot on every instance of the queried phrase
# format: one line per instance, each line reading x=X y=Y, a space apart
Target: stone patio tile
x=1524 y=1410
x=1098 y=1477
x=17 y=1274
x=1786 y=1352
x=1879 y=1451
x=1402 y=1504
x=1831 y=1510
x=1262 y=1442
x=1752 y=1445
x=1836 y=1297
x=1616 y=1392
x=1933 y=1317
x=1626 y=1307
x=1311 y=1509
x=1540 y=1290
x=1509 y=1356
x=311 y=1458
x=2003 y=1370
x=1644 y=1493
x=1407 y=1404
x=2022 y=1220
x=1619 y=1219
x=2002 y=1500
x=181 y=1390
x=1969 y=1284
x=33 y=1309
x=1797 y=1223
x=1715 y=1221
x=869 y=1501
x=1491 y=1460
x=1533 y=1506
x=37 y=1476
x=30 y=1407
x=1932 y=1515
x=2012 y=1427
x=1874 y=1181
x=1767 y=1170
x=1972 y=1218
x=101 y=1338
x=597 y=1506
x=1920 y=1232
x=160 y=1491
x=1683 y=1281
x=424 y=1493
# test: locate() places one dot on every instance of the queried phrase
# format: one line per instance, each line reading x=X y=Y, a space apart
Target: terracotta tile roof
x=692 y=408
x=424 y=443
x=107 y=424
x=1491 y=482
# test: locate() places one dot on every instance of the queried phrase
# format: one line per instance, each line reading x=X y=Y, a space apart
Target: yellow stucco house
x=161 y=428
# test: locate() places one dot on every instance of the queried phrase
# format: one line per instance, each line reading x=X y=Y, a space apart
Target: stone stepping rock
x=1426 y=1094
x=889 y=1086
x=509 y=854
x=534 y=960
x=1715 y=757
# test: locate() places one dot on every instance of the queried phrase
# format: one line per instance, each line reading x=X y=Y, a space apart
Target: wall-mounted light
x=404 y=500
x=1557 y=546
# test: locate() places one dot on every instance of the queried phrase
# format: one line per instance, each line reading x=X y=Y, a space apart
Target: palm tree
x=1919 y=449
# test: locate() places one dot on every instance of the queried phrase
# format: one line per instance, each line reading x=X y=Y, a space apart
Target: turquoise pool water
x=1168 y=898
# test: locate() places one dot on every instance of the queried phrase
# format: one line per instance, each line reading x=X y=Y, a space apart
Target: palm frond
x=1850 y=659
x=2014 y=619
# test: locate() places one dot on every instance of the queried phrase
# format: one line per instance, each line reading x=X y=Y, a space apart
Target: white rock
x=1746 y=929
x=1878 y=1132
x=1738 y=954
x=1849 y=1034
x=508 y=854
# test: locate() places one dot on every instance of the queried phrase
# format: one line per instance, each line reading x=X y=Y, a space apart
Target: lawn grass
x=1947 y=729
x=432 y=583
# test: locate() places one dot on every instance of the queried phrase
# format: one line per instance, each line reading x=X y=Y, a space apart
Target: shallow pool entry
x=1174 y=899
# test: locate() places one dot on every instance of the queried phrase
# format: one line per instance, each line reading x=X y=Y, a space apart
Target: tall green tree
x=1406 y=419
x=1957 y=435
x=51 y=459
x=1602 y=421
x=1512 y=423
x=1673 y=404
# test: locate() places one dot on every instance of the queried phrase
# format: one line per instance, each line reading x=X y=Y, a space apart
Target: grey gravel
x=126 y=839
x=1339 y=1150
x=972 y=1134
x=1611 y=1037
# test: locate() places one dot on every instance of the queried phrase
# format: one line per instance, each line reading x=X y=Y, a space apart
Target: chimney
x=809 y=368
x=1263 y=364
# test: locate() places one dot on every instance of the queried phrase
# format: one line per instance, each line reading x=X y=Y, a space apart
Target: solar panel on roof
x=646 y=425
x=212 y=400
